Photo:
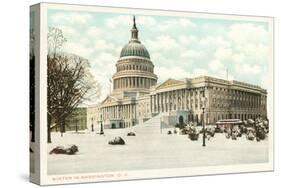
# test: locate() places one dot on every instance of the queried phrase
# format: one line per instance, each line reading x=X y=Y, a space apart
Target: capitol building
x=137 y=97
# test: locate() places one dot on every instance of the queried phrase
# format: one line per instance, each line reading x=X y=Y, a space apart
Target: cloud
x=146 y=21
x=94 y=32
x=105 y=60
x=78 y=49
x=223 y=53
x=162 y=42
x=71 y=18
x=69 y=32
x=118 y=21
x=247 y=69
x=213 y=42
x=193 y=54
x=102 y=45
x=164 y=73
x=216 y=66
x=176 y=23
x=265 y=81
x=214 y=29
x=245 y=33
x=103 y=67
x=254 y=53
x=199 y=72
x=187 y=39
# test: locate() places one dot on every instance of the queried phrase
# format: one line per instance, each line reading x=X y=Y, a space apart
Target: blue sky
x=179 y=47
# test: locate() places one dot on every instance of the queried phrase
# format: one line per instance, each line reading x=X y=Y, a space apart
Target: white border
x=144 y=174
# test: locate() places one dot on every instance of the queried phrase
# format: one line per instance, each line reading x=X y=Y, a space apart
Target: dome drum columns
x=133 y=82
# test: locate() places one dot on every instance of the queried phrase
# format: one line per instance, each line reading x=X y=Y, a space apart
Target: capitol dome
x=134 y=69
x=134 y=48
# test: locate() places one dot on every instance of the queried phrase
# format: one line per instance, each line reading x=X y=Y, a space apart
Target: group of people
x=253 y=129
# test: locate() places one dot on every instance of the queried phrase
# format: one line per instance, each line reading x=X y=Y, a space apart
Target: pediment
x=109 y=100
x=169 y=83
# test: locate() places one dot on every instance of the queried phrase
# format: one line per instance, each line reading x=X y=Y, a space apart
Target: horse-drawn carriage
x=232 y=127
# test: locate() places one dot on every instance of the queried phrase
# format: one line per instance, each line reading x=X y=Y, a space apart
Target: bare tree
x=55 y=40
x=70 y=82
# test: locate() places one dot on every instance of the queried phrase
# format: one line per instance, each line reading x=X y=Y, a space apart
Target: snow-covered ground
x=150 y=150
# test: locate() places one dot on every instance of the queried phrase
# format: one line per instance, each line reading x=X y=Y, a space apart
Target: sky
x=179 y=47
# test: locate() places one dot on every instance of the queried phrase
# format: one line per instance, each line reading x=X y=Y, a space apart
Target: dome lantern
x=134 y=31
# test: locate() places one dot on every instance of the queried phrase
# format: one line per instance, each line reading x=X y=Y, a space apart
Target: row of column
x=199 y=117
x=236 y=100
x=247 y=100
x=134 y=67
x=186 y=99
x=110 y=112
x=117 y=112
x=133 y=82
x=182 y=99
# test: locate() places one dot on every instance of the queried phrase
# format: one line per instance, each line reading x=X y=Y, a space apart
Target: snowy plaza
x=150 y=149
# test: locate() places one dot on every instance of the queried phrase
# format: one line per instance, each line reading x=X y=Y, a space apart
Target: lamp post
x=101 y=127
x=76 y=125
x=92 y=125
x=203 y=123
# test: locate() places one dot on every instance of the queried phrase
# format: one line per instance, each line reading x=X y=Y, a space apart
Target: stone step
x=148 y=127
